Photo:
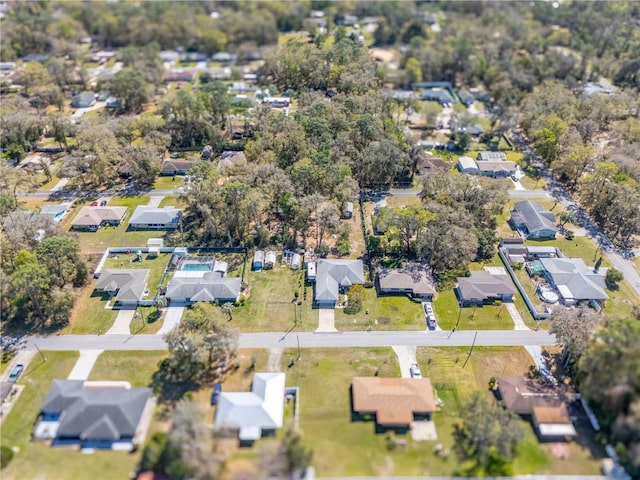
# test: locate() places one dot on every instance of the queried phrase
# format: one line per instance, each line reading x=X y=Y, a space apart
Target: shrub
x=356 y=297
x=613 y=277
x=6 y=454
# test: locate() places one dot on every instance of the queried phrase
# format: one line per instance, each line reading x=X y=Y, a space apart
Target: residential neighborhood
x=292 y=240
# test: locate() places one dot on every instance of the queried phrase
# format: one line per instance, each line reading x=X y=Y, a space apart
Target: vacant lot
x=89 y=315
x=133 y=367
x=167 y=182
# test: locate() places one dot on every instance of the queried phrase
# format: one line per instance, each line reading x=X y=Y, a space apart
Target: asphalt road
x=459 y=338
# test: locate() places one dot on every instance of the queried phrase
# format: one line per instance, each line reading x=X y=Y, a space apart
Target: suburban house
x=188 y=286
x=413 y=278
x=92 y=218
x=155 y=218
x=277 y=102
x=429 y=164
x=33 y=163
x=575 y=281
x=83 y=100
x=540 y=403
x=177 y=167
x=128 y=285
x=440 y=95
x=55 y=212
x=253 y=414
x=533 y=221
x=179 y=75
x=394 y=402
x=334 y=277
x=492 y=157
x=496 y=169
x=468 y=165
x=485 y=287
x=107 y=415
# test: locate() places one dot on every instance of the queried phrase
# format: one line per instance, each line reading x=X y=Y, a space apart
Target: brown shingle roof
x=96 y=215
x=522 y=396
x=412 y=276
x=393 y=400
x=555 y=415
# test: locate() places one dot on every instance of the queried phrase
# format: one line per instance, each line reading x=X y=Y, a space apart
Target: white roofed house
x=253 y=414
x=334 y=277
x=128 y=285
x=155 y=218
x=92 y=218
x=203 y=286
x=575 y=281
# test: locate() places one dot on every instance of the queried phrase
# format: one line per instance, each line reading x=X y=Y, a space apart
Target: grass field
x=134 y=367
x=89 y=315
x=488 y=317
x=385 y=313
x=166 y=182
x=178 y=202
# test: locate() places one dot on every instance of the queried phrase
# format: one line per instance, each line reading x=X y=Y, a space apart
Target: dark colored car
x=15 y=373
x=432 y=323
x=514 y=178
x=103 y=203
x=217 y=390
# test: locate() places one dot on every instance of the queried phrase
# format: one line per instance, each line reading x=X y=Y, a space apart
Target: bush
x=356 y=297
x=6 y=454
x=612 y=278
x=368 y=285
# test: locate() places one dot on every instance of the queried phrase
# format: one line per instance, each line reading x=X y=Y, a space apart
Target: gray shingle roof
x=482 y=284
x=145 y=215
x=211 y=286
x=130 y=283
x=412 y=276
x=533 y=216
x=95 y=413
x=573 y=273
x=335 y=274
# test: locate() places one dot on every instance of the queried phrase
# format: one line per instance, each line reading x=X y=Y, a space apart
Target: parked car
x=415 y=371
x=15 y=373
x=94 y=204
x=431 y=322
x=217 y=390
x=428 y=309
x=514 y=178
x=103 y=203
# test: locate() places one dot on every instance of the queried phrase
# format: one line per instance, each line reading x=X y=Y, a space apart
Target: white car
x=414 y=370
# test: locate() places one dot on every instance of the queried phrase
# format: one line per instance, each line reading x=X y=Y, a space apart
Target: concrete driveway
x=84 y=365
x=326 y=320
x=518 y=323
x=172 y=318
x=406 y=356
x=122 y=323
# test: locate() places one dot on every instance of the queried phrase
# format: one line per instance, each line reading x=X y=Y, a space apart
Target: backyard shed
x=258 y=261
x=270 y=259
x=347 y=211
x=295 y=261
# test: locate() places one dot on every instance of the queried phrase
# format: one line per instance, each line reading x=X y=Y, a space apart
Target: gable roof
x=335 y=274
x=83 y=99
x=252 y=412
x=207 y=287
x=89 y=216
x=533 y=216
x=522 y=396
x=130 y=283
x=496 y=166
x=467 y=163
x=482 y=284
x=413 y=276
x=53 y=210
x=580 y=281
x=393 y=400
x=95 y=413
x=146 y=215
x=170 y=166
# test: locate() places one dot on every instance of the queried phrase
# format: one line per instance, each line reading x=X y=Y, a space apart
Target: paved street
x=460 y=338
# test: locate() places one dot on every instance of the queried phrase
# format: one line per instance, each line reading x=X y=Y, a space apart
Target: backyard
x=156 y=266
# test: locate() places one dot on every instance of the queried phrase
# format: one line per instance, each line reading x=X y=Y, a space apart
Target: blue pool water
x=196 y=267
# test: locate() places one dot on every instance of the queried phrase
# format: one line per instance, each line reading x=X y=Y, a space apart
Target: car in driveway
x=514 y=178
x=431 y=322
x=215 y=395
x=15 y=373
x=428 y=309
x=414 y=370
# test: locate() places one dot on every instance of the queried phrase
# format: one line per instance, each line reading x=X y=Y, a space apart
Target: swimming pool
x=196 y=267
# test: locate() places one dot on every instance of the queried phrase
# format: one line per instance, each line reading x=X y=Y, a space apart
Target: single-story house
x=539 y=402
x=258 y=261
x=334 y=277
x=430 y=164
x=231 y=158
x=92 y=218
x=190 y=286
x=395 y=402
x=179 y=75
x=270 y=259
x=253 y=414
x=533 y=220
x=413 y=278
x=83 y=100
x=55 y=212
x=33 y=163
x=575 y=281
x=347 y=211
x=468 y=165
x=496 y=169
x=177 y=167
x=484 y=287
x=127 y=284
x=440 y=95
x=466 y=98
x=492 y=157
x=155 y=218
x=277 y=102
x=108 y=415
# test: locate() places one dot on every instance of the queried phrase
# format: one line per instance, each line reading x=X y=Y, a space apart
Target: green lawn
x=533 y=183
x=179 y=202
x=134 y=367
x=488 y=317
x=89 y=315
x=385 y=313
x=166 y=182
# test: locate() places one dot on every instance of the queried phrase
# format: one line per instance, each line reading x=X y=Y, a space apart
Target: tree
x=292 y=457
x=31 y=283
x=160 y=301
x=355 y=296
x=486 y=437
x=612 y=278
x=547 y=140
x=573 y=329
x=327 y=220
x=410 y=222
x=566 y=216
x=414 y=71
x=61 y=256
x=131 y=87
x=227 y=309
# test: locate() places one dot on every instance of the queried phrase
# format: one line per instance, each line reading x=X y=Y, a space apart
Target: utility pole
x=471 y=350
x=44 y=359
x=298 y=340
